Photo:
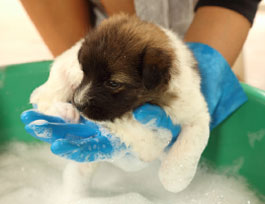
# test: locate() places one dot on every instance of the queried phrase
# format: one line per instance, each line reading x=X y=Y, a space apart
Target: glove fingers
x=50 y=132
x=89 y=123
x=147 y=112
x=151 y=113
x=63 y=148
x=75 y=130
x=37 y=130
x=175 y=130
x=32 y=115
x=156 y=117
x=83 y=151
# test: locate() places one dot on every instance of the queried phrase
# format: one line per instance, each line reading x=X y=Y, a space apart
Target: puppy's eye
x=113 y=84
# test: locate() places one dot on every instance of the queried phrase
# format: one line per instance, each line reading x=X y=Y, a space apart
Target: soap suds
x=37 y=127
x=30 y=174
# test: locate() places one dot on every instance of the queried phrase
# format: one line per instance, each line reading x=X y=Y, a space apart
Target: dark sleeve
x=247 y=8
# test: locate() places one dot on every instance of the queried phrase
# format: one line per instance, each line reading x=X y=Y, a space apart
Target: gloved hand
x=220 y=87
x=85 y=141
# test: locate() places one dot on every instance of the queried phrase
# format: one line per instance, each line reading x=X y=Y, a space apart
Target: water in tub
x=31 y=174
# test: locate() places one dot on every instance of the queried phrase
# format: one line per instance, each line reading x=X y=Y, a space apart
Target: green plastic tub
x=239 y=141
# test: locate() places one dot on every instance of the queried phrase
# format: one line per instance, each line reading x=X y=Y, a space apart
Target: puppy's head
x=126 y=63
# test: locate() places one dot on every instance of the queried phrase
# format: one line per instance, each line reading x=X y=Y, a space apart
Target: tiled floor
x=20 y=42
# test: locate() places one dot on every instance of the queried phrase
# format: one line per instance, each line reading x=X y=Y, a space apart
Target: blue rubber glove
x=87 y=141
x=82 y=142
x=220 y=87
x=148 y=112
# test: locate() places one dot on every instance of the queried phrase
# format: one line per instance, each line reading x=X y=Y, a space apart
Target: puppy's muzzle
x=79 y=101
x=80 y=107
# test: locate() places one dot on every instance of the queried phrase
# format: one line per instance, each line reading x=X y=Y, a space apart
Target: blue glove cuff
x=219 y=86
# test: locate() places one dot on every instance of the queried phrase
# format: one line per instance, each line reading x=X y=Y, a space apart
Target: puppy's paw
x=41 y=97
x=175 y=176
x=35 y=96
x=64 y=110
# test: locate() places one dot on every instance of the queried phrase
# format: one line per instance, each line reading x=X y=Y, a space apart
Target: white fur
x=65 y=76
x=147 y=144
x=189 y=110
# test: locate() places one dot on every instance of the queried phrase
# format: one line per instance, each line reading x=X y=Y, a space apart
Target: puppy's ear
x=155 y=67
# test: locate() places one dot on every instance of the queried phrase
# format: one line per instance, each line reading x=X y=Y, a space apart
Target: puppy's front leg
x=148 y=143
x=65 y=76
x=179 y=166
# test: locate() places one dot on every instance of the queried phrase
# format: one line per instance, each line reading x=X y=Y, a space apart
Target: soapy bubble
x=30 y=174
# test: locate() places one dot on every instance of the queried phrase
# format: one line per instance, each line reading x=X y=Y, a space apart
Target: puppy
x=120 y=65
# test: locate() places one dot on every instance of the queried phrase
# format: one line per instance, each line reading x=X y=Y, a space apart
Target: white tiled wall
x=20 y=42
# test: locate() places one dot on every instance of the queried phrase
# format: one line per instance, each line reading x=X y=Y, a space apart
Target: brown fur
x=131 y=52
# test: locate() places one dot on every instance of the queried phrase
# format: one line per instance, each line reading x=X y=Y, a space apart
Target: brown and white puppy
x=120 y=65
x=125 y=63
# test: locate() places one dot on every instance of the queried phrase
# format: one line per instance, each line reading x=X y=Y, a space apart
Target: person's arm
x=223 y=29
x=60 y=23
x=116 y=6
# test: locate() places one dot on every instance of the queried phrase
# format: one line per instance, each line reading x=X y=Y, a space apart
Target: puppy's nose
x=81 y=108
